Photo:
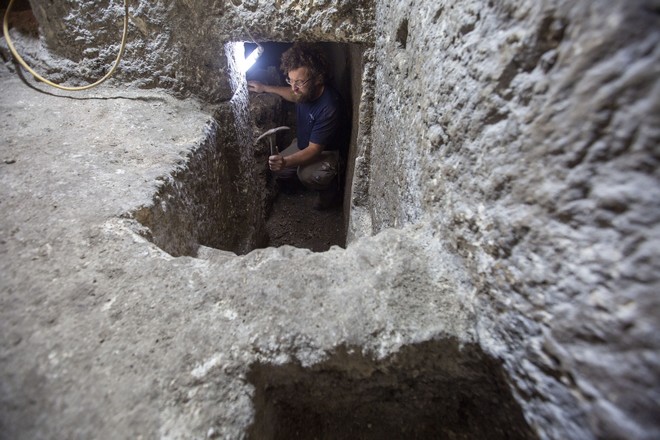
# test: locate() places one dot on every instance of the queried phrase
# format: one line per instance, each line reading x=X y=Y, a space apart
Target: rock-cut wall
x=526 y=133
x=504 y=197
x=179 y=45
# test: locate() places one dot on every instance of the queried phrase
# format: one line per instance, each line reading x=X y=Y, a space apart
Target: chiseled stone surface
x=526 y=134
x=107 y=336
x=180 y=45
x=505 y=196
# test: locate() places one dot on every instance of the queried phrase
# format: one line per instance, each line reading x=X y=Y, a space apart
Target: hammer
x=273 y=148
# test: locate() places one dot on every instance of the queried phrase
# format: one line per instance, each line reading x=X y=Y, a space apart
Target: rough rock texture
x=532 y=150
x=217 y=199
x=107 y=336
x=504 y=217
x=180 y=45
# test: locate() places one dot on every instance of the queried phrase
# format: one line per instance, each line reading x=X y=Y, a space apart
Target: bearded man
x=320 y=123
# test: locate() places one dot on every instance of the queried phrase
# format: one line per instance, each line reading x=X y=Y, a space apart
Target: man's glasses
x=297 y=84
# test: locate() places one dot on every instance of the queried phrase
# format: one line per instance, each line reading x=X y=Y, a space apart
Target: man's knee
x=291 y=149
x=320 y=174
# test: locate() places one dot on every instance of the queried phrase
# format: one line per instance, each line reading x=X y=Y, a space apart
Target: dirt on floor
x=294 y=221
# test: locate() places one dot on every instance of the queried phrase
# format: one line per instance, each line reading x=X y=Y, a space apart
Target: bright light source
x=251 y=59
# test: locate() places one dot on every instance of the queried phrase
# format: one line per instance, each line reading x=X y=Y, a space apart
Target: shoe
x=326 y=199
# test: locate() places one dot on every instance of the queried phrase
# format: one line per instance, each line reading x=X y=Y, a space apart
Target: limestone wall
x=526 y=134
x=518 y=136
x=180 y=45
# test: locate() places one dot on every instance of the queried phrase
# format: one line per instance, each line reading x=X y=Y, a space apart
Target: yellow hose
x=5 y=30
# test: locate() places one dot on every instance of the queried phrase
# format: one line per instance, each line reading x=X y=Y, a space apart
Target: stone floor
x=106 y=336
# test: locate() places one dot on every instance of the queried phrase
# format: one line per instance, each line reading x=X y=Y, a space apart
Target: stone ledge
x=108 y=334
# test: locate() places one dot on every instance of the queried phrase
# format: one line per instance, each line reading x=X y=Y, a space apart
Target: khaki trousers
x=318 y=174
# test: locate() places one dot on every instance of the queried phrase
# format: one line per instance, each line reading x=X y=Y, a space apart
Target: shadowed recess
x=431 y=390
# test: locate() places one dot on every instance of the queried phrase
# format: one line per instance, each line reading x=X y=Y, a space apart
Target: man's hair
x=305 y=55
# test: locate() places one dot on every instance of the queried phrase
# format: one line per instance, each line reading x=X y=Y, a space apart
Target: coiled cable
x=17 y=57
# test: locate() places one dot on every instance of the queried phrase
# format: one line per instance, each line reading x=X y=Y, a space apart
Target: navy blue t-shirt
x=321 y=121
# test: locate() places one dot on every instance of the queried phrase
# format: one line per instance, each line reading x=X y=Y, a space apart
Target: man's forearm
x=284 y=92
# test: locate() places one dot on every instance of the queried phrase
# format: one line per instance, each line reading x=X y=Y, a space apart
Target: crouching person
x=313 y=157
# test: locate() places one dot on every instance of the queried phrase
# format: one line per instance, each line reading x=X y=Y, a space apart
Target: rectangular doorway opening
x=224 y=200
x=292 y=217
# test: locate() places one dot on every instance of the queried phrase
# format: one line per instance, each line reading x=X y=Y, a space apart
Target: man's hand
x=282 y=91
x=276 y=162
x=256 y=86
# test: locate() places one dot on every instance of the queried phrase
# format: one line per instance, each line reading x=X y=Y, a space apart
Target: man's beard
x=309 y=95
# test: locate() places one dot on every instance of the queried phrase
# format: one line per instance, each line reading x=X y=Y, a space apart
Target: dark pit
x=431 y=390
